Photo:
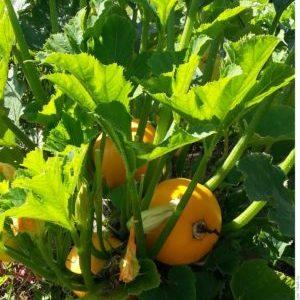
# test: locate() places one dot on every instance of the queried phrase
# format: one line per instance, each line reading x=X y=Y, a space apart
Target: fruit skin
x=7 y=170
x=113 y=166
x=97 y=264
x=28 y=225
x=181 y=247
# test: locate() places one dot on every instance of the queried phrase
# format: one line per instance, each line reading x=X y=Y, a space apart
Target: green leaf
x=117 y=41
x=179 y=285
x=6 y=40
x=255 y=280
x=7 y=137
x=89 y=79
x=34 y=162
x=49 y=191
x=278 y=124
x=273 y=78
x=163 y=9
x=147 y=279
x=221 y=22
x=218 y=98
x=11 y=155
x=263 y=181
x=177 y=139
x=208 y=286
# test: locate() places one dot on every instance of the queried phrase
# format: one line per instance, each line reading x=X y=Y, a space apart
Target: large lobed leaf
x=218 y=98
x=49 y=186
x=163 y=9
x=255 y=280
x=265 y=182
x=89 y=81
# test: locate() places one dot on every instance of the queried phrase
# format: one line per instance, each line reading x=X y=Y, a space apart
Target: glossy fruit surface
x=113 y=167
x=97 y=264
x=187 y=243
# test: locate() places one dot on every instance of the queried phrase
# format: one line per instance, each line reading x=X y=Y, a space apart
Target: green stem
x=98 y=193
x=184 y=200
x=53 y=16
x=18 y=132
x=212 y=55
x=275 y=22
x=256 y=206
x=33 y=80
x=165 y=117
x=181 y=159
x=290 y=60
x=171 y=32
x=137 y=217
x=145 y=32
x=189 y=25
x=239 y=148
x=287 y=165
x=146 y=108
x=156 y=175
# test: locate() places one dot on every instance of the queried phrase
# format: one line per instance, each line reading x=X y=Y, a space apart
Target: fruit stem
x=53 y=16
x=239 y=148
x=18 y=132
x=184 y=200
x=256 y=206
x=98 y=192
x=189 y=25
x=31 y=70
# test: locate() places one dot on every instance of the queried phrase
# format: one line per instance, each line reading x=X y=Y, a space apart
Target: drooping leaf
x=219 y=24
x=255 y=280
x=177 y=139
x=273 y=78
x=97 y=83
x=208 y=286
x=48 y=192
x=163 y=9
x=218 y=98
x=278 y=124
x=263 y=181
x=180 y=284
x=117 y=39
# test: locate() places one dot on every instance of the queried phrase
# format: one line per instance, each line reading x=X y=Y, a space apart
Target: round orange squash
x=113 y=167
x=97 y=264
x=196 y=230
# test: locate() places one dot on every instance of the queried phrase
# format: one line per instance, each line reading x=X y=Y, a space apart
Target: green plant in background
x=104 y=113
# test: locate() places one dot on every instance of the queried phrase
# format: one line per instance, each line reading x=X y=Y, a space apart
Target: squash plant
x=147 y=147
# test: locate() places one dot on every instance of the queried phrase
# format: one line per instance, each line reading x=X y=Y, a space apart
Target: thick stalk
x=53 y=16
x=256 y=206
x=189 y=25
x=153 y=182
x=33 y=80
x=137 y=217
x=238 y=150
x=212 y=55
x=98 y=193
x=171 y=32
x=145 y=32
x=275 y=22
x=146 y=108
x=18 y=132
x=184 y=200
